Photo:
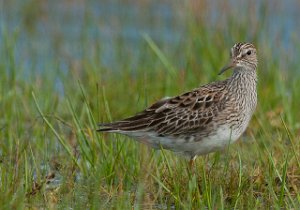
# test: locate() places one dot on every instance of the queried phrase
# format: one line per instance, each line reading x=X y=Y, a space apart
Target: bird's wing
x=186 y=113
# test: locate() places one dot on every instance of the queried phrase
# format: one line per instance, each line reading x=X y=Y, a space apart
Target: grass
x=52 y=157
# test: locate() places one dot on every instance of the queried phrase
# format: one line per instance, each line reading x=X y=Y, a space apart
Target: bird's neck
x=244 y=75
x=243 y=78
x=243 y=82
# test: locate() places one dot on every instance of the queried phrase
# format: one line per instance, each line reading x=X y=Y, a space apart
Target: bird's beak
x=230 y=65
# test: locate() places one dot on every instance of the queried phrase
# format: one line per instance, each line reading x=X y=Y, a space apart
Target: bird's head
x=241 y=55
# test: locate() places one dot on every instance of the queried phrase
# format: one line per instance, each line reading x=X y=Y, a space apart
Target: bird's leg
x=192 y=161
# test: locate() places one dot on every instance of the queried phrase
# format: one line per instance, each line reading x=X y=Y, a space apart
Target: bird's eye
x=249 y=52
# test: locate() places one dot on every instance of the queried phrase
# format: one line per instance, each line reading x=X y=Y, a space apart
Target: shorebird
x=201 y=121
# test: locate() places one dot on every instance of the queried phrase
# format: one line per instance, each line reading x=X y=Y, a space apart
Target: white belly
x=222 y=138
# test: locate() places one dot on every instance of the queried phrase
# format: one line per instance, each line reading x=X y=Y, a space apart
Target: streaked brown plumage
x=203 y=120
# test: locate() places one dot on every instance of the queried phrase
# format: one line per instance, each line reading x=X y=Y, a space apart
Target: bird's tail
x=107 y=127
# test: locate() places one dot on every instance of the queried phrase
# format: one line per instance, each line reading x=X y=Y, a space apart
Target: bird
x=204 y=120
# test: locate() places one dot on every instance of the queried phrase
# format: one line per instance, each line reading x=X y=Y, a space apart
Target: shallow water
x=54 y=32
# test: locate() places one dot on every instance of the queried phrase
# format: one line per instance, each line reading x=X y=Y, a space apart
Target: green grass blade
x=169 y=67
x=62 y=142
